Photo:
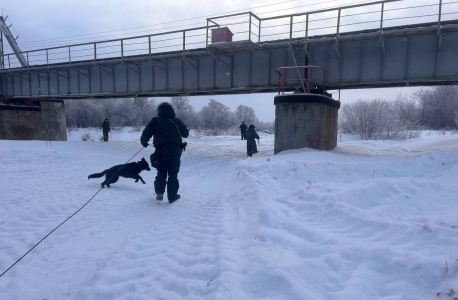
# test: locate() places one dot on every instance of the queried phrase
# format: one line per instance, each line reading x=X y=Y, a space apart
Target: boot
x=174 y=199
x=159 y=197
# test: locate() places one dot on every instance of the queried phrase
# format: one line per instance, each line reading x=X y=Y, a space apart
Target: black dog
x=130 y=170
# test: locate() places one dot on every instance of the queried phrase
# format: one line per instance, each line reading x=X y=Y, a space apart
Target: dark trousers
x=251 y=147
x=105 y=136
x=243 y=135
x=169 y=164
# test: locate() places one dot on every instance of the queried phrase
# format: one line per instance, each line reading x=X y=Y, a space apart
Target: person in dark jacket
x=250 y=136
x=243 y=129
x=168 y=132
x=106 y=129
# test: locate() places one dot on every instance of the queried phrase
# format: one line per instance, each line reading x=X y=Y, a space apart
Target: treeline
x=428 y=109
x=139 y=111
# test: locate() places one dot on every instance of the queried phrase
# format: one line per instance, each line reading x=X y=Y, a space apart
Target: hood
x=252 y=126
x=165 y=111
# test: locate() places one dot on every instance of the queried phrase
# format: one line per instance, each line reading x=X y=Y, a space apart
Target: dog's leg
x=139 y=177
x=114 y=179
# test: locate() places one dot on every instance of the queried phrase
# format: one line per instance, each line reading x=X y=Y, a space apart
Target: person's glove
x=144 y=144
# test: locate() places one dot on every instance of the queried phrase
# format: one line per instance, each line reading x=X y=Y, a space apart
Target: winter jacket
x=106 y=126
x=165 y=128
x=251 y=134
x=243 y=127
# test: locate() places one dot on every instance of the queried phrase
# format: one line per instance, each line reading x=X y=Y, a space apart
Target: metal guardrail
x=259 y=30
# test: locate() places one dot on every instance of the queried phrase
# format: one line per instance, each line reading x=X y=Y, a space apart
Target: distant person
x=168 y=132
x=250 y=136
x=243 y=129
x=106 y=129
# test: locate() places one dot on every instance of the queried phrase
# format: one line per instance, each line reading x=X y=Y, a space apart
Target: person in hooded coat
x=168 y=132
x=250 y=136
x=106 y=129
x=243 y=129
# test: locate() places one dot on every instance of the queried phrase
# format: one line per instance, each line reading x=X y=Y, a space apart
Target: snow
x=368 y=220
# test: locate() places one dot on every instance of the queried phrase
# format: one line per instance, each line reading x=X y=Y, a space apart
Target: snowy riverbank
x=369 y=220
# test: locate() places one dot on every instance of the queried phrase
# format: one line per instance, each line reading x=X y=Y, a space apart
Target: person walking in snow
x=106 y=129
x=168 y=132
x=243 y=129
x=250 y=136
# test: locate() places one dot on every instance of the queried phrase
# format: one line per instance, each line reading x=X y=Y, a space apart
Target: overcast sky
x=47 y=23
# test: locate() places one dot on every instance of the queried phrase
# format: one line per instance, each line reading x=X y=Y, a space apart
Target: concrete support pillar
x=46 y=122
x=305 y=120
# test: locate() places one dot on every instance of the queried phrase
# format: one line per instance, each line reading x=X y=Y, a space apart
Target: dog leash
x=189 y=153
x=67 y=218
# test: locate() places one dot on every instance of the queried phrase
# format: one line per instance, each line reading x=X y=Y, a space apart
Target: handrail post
x=69 y=56
x=338 y=22
x=9 y=62
x=47 y=58
x=381 y=17
x=306 y=46
x=2 y=62
x=283 y=83
x=249 y=28
x=290 y=29
x=122 y=50
x=206 y=42
x=306 y=27
x=440 y=16
x=259 y=32
x=184 y=41
x=149 y=47
x=95 y=53
x=439 y=29
x=28 y=62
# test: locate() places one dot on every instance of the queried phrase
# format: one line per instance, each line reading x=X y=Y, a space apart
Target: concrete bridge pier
x=305 y=120
x=32 y=120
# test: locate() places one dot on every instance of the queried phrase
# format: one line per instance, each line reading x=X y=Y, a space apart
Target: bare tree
x=438 y=106
x=180 y=103
x=373 y=120
x=139 y=111
x=408 y=111
x=122 y=112
x=185 y=111
x=246 y=113
x=216 y=115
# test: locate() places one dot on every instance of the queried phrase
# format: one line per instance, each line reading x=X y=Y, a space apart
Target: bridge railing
x=376 y=15
x=334 y=21
x=306 y=88
x=177 y=40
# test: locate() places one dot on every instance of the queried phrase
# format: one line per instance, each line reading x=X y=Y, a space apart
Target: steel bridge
x=377 y=44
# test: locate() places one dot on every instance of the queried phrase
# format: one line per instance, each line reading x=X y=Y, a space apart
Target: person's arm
x=183 y=129
x=148 y=132
x=256 y=135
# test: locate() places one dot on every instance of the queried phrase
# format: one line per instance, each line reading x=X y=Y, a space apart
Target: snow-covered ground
x=369 y=220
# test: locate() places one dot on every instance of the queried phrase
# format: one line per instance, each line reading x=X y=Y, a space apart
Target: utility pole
x=2 y=59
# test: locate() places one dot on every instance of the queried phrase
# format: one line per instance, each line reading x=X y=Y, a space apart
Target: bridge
x=370 y=44
x=377 y=44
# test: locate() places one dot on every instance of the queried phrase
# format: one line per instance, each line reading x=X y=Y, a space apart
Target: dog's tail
x=96 y=175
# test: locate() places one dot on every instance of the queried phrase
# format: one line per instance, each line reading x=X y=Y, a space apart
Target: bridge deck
x=411 y=55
